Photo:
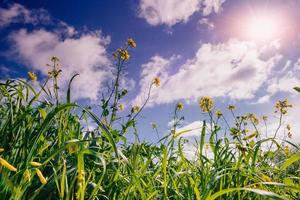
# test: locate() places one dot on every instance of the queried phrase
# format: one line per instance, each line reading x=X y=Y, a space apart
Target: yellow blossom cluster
x=135 y=109
x=122 y=53
x=131 y=42
x=206 y=103
x=219 y=113
x=252 y=117
x=282 y=106
x=231 y=107
x=179 y=106
x=32 y=76
x=156 y=81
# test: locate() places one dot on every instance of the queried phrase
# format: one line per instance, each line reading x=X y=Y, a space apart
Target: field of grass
x=46 y=151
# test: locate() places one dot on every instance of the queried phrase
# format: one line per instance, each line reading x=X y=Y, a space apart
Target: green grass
x=101 y=164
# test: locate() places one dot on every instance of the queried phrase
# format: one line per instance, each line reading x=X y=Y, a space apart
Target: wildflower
x=252 y=135
x=35 y=164
x=287 y=150
x=156 y=81
x=265 y=118
x=231 y=107
x=1 y=150
x=135 y=109
x=252 y=117
x=7 y=165
x=282 y=106
x=206 y=103
x=219 y=113
x=123 y=53
x=131 y=42
x=41 y=176
x=121 y=107
x=153 y=125
x=179 y=106
x=32 y=76
x=54 y=59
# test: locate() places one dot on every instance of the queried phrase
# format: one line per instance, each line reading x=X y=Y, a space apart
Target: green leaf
x=290 y=161
x=297 y=89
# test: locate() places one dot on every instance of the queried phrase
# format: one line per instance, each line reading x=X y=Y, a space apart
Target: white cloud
x=194 y=129
x=171 y=12
x=156 y=67
x=263 y=99
x=210 y=6
x=285 y=83
x=205 y=21
x=85 y=55
x=234 y=69
x=17 y=13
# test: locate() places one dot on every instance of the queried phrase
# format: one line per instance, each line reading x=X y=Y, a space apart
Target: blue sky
x=238 y=52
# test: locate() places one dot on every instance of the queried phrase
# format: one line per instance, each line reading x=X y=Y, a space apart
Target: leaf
x=290 y=161
x=42 y=113
x=69 y=88
x=297 y=89
x=257 y=191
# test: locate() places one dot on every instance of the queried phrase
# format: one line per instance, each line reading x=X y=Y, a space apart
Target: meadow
x=46 y=151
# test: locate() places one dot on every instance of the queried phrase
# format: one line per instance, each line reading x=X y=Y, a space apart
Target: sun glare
x=262 y=28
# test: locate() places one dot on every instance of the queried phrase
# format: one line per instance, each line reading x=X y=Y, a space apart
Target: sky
x=241 y=52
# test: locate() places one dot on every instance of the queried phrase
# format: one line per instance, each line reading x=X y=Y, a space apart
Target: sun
x=262 y=28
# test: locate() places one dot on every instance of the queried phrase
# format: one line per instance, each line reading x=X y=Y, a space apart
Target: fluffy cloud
x=171 y=12
x=17 y=13
x=156 y=67
x=85 y=55
x=234 y=69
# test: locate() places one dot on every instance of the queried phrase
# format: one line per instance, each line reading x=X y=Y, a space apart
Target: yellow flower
x=156 y=81
x=282 y=106
x=135 y=109
x=131 y=42
x=231 y=107
x=179 y=106
x=206 y=103
x=124 y=55
x=219 y=113
x=41 y=176
x=252 y=117
x=153 y=125
x=265 y=118
x=287 y=150
x=54 y=59
x=121 y=107
x=31 y=76
x=35 y=164
x=7 y=165
x=1 y=150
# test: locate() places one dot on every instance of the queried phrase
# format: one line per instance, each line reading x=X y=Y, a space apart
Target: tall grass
x=47 y=153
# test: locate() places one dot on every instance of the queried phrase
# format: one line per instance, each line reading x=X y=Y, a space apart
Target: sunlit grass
x=46 y=151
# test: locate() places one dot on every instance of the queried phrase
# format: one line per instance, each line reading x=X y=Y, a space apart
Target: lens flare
x=262 y=28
